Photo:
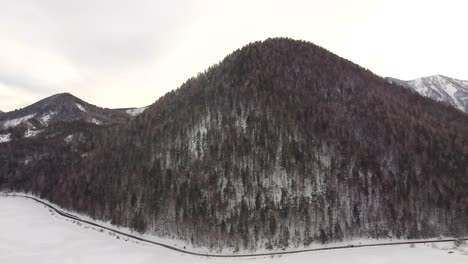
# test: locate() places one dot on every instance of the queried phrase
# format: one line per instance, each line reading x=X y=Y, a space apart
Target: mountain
x=34 y=119
x=282 y=144
x=60 y=108
x=440 y=88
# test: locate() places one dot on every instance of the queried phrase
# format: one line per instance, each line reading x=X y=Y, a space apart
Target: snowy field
x=29 y=233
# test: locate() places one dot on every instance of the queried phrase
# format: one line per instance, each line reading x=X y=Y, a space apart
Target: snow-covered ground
x=45 y=118
x=95 y=121
x=30 y=233
x=31 y=133
x=80 y=107
x=136 y=111
x=4 y=138
x=15 y=122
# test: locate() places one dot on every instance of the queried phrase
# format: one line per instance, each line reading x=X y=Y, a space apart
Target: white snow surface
x=80 y=107
x=45 y=118
x=68 y=139
x=4 y=138
x=136 y=111
x=95 y=121
x=30 y=233
x=15 y=122
x=448 y=89
x=31 y=133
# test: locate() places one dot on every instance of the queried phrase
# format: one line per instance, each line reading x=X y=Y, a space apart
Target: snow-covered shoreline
x=179 y=244
x=28 y=234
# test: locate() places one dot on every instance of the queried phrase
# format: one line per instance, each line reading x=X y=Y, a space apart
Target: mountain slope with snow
x=440 y=88
x=60 y=108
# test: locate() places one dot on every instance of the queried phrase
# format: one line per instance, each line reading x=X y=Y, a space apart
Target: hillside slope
x=279 y=145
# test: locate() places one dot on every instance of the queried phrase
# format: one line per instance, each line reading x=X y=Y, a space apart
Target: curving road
x=76 y=218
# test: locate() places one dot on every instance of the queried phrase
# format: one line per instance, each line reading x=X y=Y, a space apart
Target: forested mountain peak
x=42 y=118
x=279 y=145
x=63 y=107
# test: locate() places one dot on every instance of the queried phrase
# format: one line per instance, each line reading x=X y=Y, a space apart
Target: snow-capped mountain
x=440 y=88
x=63 y=108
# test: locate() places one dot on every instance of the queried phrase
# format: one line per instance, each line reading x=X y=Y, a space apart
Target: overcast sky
x=116 y=53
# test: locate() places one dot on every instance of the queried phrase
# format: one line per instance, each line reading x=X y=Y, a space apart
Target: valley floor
x=29 y=233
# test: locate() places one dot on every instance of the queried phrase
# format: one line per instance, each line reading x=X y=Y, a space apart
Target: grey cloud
x=102 y=33
x=25 y=82
x=96 y=37
x=113 y=33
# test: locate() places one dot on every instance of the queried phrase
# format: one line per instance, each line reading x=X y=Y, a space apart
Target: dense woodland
x=281 y=144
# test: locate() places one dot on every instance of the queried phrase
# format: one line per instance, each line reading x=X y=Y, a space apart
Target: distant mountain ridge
x=55 y=114
x=64 y=107
x=440 y=88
